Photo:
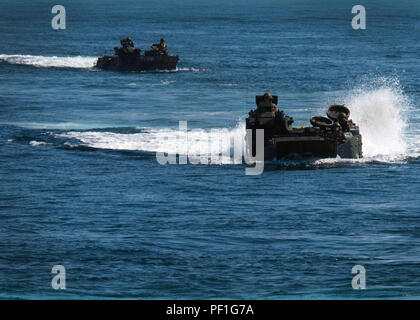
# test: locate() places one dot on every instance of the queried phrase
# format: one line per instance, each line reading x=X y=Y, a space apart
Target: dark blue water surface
x=81 y=186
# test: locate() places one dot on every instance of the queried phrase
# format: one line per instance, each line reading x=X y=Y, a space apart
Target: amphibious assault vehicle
x=328 y=137
x=129 y=58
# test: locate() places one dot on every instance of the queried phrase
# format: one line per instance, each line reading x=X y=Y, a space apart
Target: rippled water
x=81 y=185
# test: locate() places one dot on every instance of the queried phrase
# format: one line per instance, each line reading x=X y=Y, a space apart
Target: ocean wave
x=189 y=69
x=38 y=143
x=196 y=143
x=50 y=62
x=383 y=111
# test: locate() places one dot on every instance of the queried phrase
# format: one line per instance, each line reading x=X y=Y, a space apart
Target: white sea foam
x=382 y=111
x=44 y=61
x=189 y=69
x=38 y=143
x=205 y=143
x=166 y=83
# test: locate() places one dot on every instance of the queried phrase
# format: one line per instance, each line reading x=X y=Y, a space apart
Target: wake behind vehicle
x=328 y=137
x=129 y=58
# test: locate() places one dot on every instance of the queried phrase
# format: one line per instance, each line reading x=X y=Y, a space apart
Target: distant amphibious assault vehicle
x=326 y=138
x=129 y=58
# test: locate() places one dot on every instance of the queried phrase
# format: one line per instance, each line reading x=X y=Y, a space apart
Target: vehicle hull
x=138 y=63
x=309 y=146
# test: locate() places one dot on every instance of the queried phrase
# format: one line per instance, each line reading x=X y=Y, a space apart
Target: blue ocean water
x=81 y=187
